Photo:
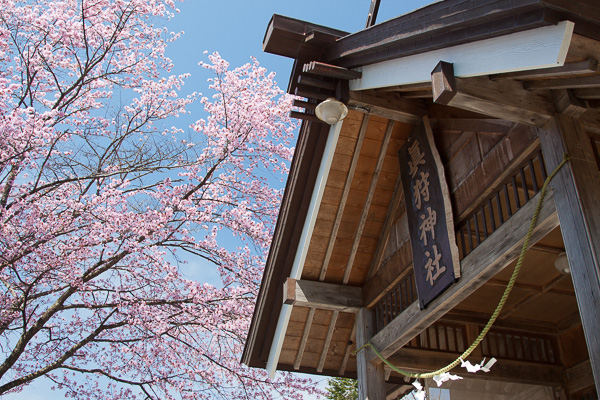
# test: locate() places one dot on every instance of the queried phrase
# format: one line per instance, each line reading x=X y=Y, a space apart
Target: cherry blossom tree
x=100 y=199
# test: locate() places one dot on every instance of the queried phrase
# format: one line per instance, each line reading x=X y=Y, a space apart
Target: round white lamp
x=562 y=264
x=331 y=111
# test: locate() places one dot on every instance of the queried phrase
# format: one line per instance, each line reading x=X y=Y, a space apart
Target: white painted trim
x=532 y=49
x=307 y=229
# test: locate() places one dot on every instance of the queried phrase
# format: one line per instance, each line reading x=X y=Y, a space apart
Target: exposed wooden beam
x=305 y=116
x=319 y=83
x=322 y=295
x=529 y=298
x=577 y=194
x=406 y=88
x=415 y=360
x=505 y=100
x=349 y=347
x=579 y=377
x=591 y=121
x=311 y=93
x=418 y=94
x=370 y=194
x=305 y=332
x=568 y=322
x=390 y=273
x=390 y=105
x=371 y=376
x=587 y=94
x=395 y=204
x=514 y=324
x=484 y=262
x=347 y=185
x=331 y=71
x=305 y=104
x=287 y=37
x=568 y=69
x=548 y=288
x=579 y=82
x=566 y=102
x=327 y=342
x=493 y=126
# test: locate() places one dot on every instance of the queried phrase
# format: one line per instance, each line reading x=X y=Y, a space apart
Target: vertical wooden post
x=371 y=377
x=577 y=197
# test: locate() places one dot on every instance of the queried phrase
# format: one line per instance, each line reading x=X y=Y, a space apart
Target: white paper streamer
x=474 y=368
x=444 y=377
x=420 y=393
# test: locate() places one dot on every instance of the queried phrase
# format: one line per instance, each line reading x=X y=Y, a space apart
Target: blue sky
x=235 y=28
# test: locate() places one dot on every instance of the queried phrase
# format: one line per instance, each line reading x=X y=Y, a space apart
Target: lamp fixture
x=562 y=264
x=331 y=111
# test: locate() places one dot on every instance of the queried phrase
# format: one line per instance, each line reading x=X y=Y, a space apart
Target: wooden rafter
x=579 y=82
x=587 y=94
x=327 y=343
x=390 y=218
x=331 y=71
x=532 y=296
x=369 y=199
x=505 y=100
x=304 y=339
x=569 y=69
x=347 y=185
x=492 y=126
x=389 y=105
x=473 y=318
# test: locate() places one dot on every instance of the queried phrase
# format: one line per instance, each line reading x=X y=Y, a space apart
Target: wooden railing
x=395 y=301
x=444 y=337
x=519 y=346
x=504 y=201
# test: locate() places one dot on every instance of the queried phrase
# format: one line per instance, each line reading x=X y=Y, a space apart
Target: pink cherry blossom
x=101 y=196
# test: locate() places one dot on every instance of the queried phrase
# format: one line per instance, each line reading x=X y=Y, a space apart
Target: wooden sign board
x=429 y=213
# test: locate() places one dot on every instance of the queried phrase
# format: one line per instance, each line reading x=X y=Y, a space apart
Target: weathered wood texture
x=325 y=296
x=476 y=164
x=371 y=378
x=504 y=370
x=483 y=263
x=577 y=196
x=370 y=194
x=344 y=197
x=568 y=69
x=388 y=105
x=505 y=100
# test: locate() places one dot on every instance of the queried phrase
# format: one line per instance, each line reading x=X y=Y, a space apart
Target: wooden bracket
x=321 y=295
x=566 y=103
x=505 y=100
x=443 y=83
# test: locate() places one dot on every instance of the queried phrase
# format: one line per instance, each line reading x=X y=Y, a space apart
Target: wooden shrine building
x=504 y=89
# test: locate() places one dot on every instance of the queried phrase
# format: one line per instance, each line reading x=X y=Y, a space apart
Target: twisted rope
x=501 y=303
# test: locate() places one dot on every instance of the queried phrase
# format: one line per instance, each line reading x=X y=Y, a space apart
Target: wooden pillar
x=371 y=376
x=577 y=198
